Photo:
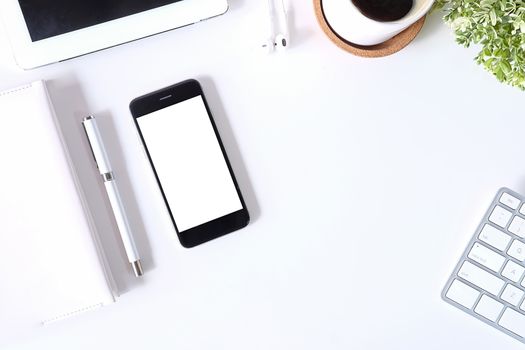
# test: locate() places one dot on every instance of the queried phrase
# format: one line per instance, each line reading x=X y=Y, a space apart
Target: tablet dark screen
x=48 y=18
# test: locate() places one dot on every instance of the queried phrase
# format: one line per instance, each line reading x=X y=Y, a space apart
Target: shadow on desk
x=70 y=107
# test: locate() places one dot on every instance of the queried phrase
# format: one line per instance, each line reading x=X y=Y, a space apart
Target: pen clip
x=89 y=141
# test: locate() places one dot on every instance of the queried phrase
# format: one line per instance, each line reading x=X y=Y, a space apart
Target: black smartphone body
x=190 y=164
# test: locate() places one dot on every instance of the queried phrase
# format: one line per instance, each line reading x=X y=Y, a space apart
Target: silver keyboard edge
x=464 y=257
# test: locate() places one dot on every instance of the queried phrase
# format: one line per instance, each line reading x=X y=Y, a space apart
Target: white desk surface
x=365 y=178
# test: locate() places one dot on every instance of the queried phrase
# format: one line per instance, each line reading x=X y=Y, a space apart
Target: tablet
x=48 y=31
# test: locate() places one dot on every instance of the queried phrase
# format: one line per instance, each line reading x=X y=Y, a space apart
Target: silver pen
x=104 y=167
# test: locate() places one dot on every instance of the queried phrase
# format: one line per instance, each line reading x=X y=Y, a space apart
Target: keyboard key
x=494 y=237
x=481 y=278
x=513 y=321
x=462 y=294
x=490 y=281
x=509 y=201
x=513 y=271
x=486 y=257
x=517 y=226
x=512 y=295
x=489 y=308
x=500 y=216
x=517 y=250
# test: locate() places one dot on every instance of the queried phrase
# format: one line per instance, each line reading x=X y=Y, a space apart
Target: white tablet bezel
x=29 y=54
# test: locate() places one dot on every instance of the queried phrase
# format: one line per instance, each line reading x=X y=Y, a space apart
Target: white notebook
x=51 y=266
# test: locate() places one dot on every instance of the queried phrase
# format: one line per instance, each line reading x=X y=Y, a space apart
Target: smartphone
x=187 y=156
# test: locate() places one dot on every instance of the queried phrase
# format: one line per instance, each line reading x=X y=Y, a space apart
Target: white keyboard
x=488 y=281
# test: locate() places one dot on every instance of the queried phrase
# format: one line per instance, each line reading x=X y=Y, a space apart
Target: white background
x=365 y=180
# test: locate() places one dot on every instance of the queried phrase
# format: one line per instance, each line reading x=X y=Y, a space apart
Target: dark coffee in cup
x=384 y=10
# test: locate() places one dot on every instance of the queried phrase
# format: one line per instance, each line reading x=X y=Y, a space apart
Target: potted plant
x=498 y=26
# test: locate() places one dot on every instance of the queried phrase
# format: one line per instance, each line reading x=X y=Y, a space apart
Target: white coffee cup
x=349 y=23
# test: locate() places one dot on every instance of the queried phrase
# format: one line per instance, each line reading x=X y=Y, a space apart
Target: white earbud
x=278 y=38
x=281 y=42
x=269 y=45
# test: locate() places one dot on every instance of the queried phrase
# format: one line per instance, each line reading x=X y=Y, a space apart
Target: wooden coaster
x=386 y=48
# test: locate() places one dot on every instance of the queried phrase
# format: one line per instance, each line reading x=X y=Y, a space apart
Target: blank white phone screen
x=189 y=163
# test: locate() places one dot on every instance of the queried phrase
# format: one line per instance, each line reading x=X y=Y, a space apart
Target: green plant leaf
x=498 y=26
